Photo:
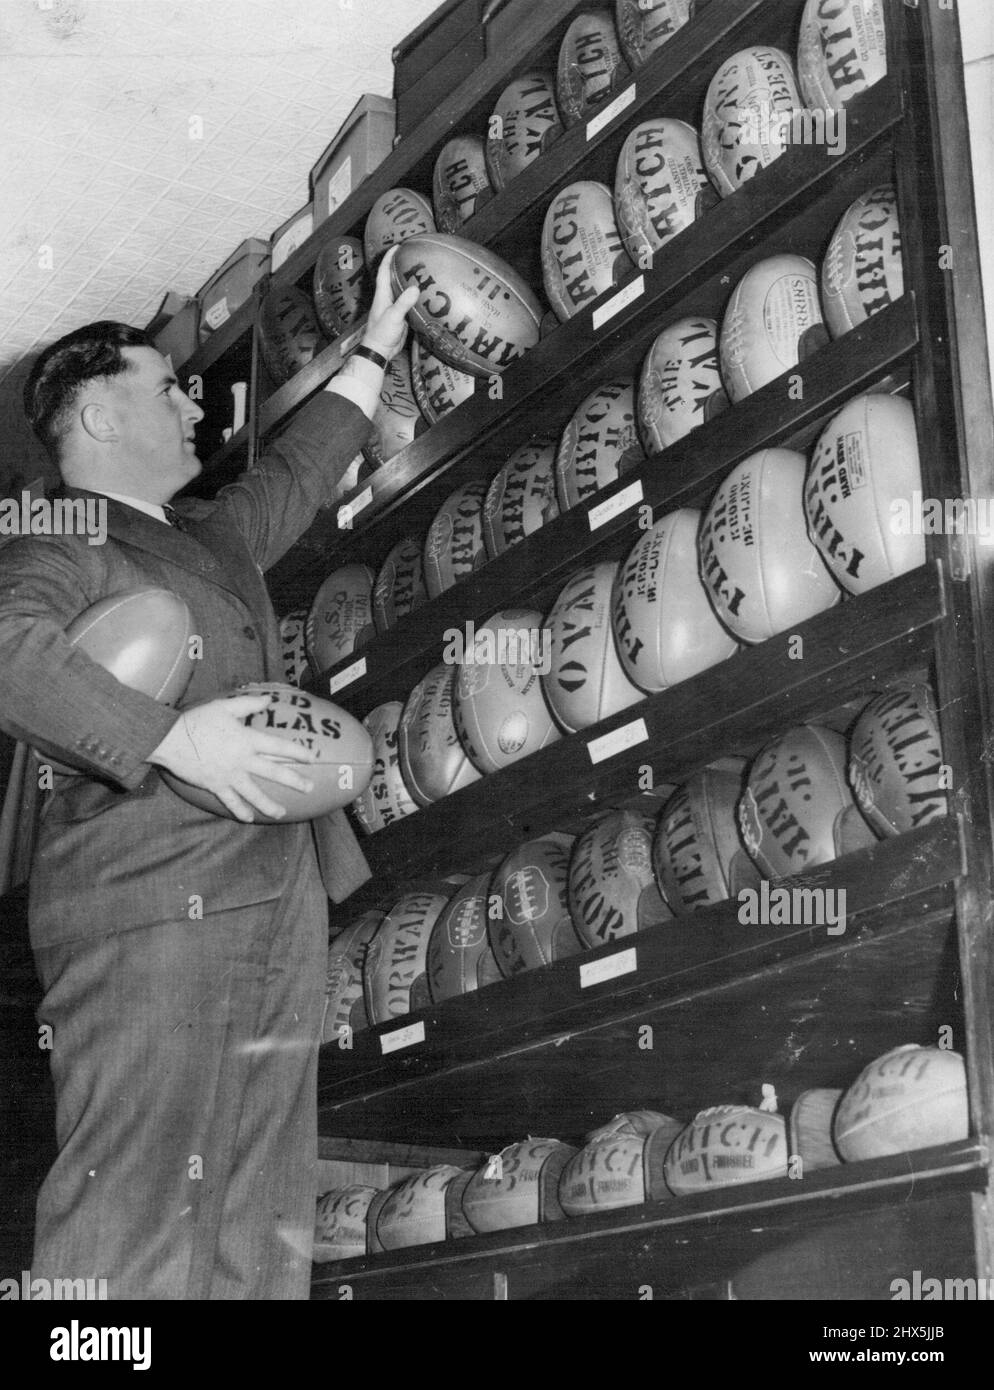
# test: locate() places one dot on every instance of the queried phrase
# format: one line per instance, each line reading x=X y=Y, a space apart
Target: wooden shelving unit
x=728 y=1007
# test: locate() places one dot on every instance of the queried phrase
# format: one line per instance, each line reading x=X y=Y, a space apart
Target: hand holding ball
x=214 y=754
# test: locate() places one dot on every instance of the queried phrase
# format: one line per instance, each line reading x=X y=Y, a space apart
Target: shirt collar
x=152 y=509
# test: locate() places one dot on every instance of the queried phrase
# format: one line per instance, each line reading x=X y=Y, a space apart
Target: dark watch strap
x=371 y=355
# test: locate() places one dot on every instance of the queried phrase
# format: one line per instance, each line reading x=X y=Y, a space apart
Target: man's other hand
x=386 y=327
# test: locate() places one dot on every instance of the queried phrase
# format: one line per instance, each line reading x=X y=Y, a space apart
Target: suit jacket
x=117 y=848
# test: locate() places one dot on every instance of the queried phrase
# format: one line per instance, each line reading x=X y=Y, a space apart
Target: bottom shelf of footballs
x=911 y=1103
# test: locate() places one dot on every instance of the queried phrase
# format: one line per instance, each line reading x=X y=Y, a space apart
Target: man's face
x=155 y=421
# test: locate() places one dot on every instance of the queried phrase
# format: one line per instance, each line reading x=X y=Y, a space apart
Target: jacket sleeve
x=51 y=694
x=273 y=502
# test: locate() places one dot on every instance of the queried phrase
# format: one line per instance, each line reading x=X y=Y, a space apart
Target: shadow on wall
x=22 y=459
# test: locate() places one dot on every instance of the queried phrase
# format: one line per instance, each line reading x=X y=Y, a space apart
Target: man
x=181 y=954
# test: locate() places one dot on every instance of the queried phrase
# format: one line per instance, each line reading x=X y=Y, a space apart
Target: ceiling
x=144 y=139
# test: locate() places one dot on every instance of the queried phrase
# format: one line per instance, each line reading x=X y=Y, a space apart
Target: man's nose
x=192 y=411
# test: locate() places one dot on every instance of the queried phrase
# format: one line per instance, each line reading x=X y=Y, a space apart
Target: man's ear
x=97 y=422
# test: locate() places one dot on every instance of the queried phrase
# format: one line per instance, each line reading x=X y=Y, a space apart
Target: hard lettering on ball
x=599 y=444
x=474 y=310
x=680 y=386
x=862 y=272
x=342 y=289
x=344 y=748
x=526 y=120
x=660 y=186
x=841 y=52
x=740 y=135
x=582 y=252
x=590 y=65
x=645 y=25
x=460 y=182
x=397 y=214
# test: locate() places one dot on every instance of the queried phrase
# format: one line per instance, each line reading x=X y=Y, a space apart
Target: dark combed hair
x=62 y=369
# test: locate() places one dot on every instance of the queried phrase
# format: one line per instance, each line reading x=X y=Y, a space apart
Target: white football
x=796 y=808
x=586 y=681
x=524 y=123
x=773 y=322
x=517 y=1187
x=759 y=567
x=896 y=765
x=660 y=186
x=522 y=496
x=622 y=1167
x=387 y=798
x=740 y=133
x=460 y=958
x=645 y=25
x=590 y=62
x=862 y=271
x=534 y=925
x=727 y=1144
x=600 y=443
x=397 y=214
x=664 y=624
x=393 y=976
x=340 y=620
x=460 y=182
x=438 y=388
x=860 y=493
x=344 y=1002
x=910 y=1098
x=454 y=546
x=500 y=709
x=400 y=585
x=433 y=762
x=582 y=252
x=680 y=386
x=340 y=1225
x=842 y=51
x=414 y=1212
x=698 y=854
x=612 y=889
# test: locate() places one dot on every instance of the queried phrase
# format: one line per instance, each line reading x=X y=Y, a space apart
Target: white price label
x=340 y=184
x=628 y=736
x=619 y=301
x=218 y=313
x=348 y=512
x=629 y=496
x=605 y=117
x=402 y=1037
x=349 y=676
x=608 y=968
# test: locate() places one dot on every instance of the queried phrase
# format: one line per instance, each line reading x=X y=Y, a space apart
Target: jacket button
x=249 y=630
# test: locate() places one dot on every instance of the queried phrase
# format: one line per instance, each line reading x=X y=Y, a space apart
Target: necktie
x=174 y=518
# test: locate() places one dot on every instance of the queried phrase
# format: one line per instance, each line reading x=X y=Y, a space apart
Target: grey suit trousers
x=221 y=1015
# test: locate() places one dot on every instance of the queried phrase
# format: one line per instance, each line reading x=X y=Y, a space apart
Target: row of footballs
x=771 y=551
x=910 y=1098
x=807 y=797
x=779 y=313
x=666 y=177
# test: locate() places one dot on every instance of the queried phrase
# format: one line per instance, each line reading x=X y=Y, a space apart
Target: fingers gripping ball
x=344 y=748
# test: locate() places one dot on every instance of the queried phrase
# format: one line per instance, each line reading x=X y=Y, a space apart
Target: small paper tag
x=629 y=496
x=619 y=301
x=608 y=968
x=348 y=512
x=621 y=103
x=349 y=676
x=218 y=313
x=626 y=737
x=402 y=1037
x=340 y=184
